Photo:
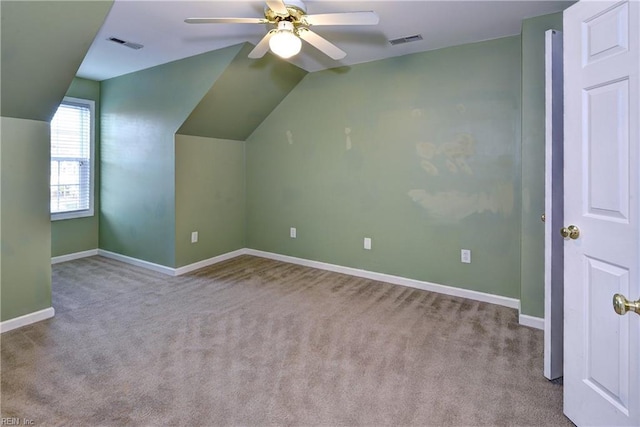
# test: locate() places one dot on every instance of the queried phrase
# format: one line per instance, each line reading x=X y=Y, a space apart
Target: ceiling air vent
x=131 y=45
x=407 y=39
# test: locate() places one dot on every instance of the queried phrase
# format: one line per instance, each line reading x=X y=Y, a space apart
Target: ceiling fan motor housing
x=296 y=9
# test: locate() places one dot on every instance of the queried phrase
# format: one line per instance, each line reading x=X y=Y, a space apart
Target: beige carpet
x=257 y=342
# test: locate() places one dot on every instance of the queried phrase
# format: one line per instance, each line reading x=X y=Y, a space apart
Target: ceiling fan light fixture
x=292 y=22
x=284 y=42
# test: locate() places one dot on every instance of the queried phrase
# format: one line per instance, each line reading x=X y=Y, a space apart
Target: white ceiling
x=159 y=26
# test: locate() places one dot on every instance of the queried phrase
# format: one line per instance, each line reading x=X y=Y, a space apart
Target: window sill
x=71 y=215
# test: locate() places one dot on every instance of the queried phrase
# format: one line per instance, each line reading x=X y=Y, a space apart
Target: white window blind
x=72 y=159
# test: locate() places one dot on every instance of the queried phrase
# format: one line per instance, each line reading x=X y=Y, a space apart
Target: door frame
x=554 y=206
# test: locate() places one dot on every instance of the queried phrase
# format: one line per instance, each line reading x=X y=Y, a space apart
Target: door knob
x=571 y=232
x=622 y=305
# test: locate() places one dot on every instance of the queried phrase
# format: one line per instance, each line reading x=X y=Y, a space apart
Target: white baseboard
x=534 y=322
x=207 y=262
x=396 y=280
x=169 y=270
x=137 y=262
x=531 y=321
x=75 y=255
x=27 y=319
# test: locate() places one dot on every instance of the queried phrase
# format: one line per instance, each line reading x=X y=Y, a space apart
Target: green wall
x=421 y=153
x=81 y=234
x=43 y=44
x=533 y=160
x=140 y=114
x=210 y=197
x=25 y=265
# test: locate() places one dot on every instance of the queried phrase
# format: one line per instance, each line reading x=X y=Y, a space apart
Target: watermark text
x=16 y=421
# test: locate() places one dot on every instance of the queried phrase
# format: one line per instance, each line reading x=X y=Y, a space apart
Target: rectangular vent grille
x=408 y=39
x=131 y=45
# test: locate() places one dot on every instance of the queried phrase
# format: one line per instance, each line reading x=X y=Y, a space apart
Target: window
x=72 y=149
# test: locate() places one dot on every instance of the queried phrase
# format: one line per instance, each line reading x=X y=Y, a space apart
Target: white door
x=602 y=199
x=553 y=212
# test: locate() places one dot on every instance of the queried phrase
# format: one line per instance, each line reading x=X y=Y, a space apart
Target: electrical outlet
x=293 y=233
x=465 y=256
x=367 y=243
x=194 y=237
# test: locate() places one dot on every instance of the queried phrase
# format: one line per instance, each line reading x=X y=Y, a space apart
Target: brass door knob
x=543 y=217
x=622 y=305
x=571 y=232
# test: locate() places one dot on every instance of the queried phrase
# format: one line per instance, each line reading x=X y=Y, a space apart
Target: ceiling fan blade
x=226 y=21
x=347 y=18
x=278 y=7
x=262 y=47
x=321 y=44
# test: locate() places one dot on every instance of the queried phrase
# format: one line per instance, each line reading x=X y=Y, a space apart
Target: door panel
x=607 y=34
x=607 y=149
x=606 y=367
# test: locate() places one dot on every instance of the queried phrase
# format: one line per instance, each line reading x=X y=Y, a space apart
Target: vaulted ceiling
x=159 y=26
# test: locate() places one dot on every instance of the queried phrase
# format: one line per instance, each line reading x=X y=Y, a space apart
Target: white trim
x=75 y=255
x=531 y=321
x=137 y=262
x=396 y=280
x=27 y=319
x=207 y=262
x=168 y=270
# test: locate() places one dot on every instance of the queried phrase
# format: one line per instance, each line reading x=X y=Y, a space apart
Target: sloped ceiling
x=242 y=97
x=43 y=44
x=160 y=27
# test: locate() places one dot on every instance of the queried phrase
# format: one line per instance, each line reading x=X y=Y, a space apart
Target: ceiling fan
x=292 y=25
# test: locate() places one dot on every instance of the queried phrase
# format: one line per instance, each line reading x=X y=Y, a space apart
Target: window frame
x=82 y=213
